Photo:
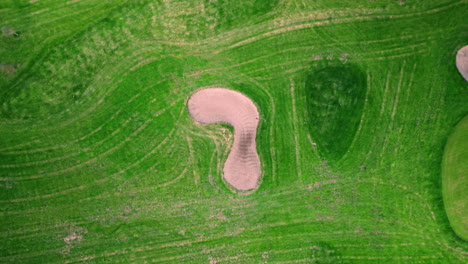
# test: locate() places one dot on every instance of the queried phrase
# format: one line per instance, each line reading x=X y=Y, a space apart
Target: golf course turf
x=455 y=180
x=359 y=104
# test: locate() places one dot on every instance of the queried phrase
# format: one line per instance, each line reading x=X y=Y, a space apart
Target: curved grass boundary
x=454 y=180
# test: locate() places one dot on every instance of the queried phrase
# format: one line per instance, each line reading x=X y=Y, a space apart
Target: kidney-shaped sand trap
x=218 y=105
x=462 y=62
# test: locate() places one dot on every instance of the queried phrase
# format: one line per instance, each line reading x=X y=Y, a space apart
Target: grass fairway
x=454 y=179
x=100 y=161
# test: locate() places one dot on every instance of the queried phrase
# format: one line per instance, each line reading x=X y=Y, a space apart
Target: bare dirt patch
x=8 y=69
x=462 y=62
x=219 y=105
x=9 y=31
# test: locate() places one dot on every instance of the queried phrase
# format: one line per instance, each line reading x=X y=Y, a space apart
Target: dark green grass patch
x=335 y=98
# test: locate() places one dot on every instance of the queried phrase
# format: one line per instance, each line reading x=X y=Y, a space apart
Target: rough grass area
x=455 y=180
x=100 y=162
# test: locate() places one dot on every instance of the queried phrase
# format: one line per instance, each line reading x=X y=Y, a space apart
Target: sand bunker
x=462 y=62
x=218 y=105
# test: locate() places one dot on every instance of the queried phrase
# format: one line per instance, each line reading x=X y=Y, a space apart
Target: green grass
x=101 y=163
x=335 y=99
x=454 y=179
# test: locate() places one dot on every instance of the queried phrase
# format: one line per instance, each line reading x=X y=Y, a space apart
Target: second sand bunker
x=219 y=105
x=462 y=62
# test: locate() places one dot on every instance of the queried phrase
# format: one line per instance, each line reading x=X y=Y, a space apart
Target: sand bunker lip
x=219 y=105
x=462 y=62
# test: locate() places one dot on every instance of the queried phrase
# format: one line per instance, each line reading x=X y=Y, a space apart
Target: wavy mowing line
x=399 y=56
x=299 y=221
x=366 y=53
x=303 y=209
x=63 y=157
x=405 y=55
x=92 y=132
x=397 y=96
x=102 y=196
x=408 y=90
x=33 y=4
x=166 y=184
x=370 y=152
x=425 y=202
x=34 y=163
x=67 y=14
x=122 y=65
x=44 y=23
x=310 y=60
x=216 y=153
x=127 y=168
x=295 y=124
x=31 y=151
x=318 y=260
x=276 y=252
x=305 y=221
x=452 y=249
x=143 y=189
x=153 y=151
x=404 y=112
x=302 y=68
x=66 y=7
x=66 y=53
x=208 y=44
x=60 y=158
x=290 y=28
x=350 y=182
x=20 y=145
x=81 y=187
x=393 y=110
x=425 y=35
x=89 y=148
x=295 y=202
x=88 y=161
x=312 y=47
x=109 y=151
x=149 y=245
x=291 y=23
x=105 y=179
x=391 y=50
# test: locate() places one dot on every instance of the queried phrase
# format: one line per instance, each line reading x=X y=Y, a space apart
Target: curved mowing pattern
x=215 y=105
x=455 y=180
x=101 y=163
x=226 y=14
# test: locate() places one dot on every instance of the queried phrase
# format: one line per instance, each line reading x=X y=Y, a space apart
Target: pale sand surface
x=218 y=105
x=462 y=62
